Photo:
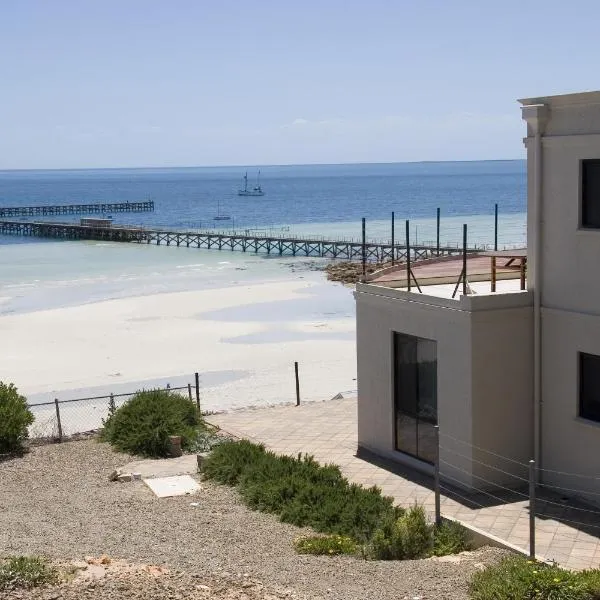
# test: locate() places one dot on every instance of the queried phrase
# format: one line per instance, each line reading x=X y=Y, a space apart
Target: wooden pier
x=76 y=209
x=232 y=241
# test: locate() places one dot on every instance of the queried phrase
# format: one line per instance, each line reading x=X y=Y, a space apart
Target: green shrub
x=329 y=545
x=15 y=417
x=516 y=577
x=409 y=536
x=26 y=572
x=449 y=537
x=299 y=490
x=144 y=423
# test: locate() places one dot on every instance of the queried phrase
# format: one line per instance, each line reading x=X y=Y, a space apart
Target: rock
x=175 y=446
x=114 y=475
x=200 y=459
x=124 y=477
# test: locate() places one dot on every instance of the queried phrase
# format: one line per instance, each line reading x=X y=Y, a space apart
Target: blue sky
x=195 y=82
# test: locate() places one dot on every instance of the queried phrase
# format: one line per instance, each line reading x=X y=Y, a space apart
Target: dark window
x=589 y=386
x=415 y=395
x=590 y=193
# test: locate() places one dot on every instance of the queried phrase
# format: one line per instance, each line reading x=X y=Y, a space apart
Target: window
x=415 y=395
x=589 y=386
x=590 y=194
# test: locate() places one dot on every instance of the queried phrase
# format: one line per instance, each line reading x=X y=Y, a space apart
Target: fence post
x=436 y=477
x=197 y=378
x=60 y=433
x=168 y=386
x=408 y=255
x=190 y=392
x=297 y=384
x=464 y=259
x=438 y=233
x=532 y=509
x=495 y=226
x=364 y=250
x=393 y=250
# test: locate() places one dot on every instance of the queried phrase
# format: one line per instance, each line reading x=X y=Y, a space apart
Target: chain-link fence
x=61 y=419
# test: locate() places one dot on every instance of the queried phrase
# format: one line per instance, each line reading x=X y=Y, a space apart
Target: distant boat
x=219 y=216
x=255 y=191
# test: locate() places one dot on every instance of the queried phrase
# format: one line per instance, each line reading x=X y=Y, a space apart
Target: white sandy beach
x=107 y=345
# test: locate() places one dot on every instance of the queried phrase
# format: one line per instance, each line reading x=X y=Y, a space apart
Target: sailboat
x=255 y=191
x=219 y=216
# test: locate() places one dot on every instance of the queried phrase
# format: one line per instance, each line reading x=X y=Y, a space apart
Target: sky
x=142 y=83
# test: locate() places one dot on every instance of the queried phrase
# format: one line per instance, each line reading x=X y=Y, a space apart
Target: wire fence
x=516 y=501
x=60 y=419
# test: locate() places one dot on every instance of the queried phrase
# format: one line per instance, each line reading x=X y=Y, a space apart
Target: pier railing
x=76 y=209
x=281 y=244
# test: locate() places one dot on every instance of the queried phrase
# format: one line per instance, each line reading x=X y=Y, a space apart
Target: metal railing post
x=532 y=509
x=408 y=254
x=197 y=379
x=297 y=384
x=364 y=250
x=438 y=233
x=436 y=476
x=60 y=432
x=495 y=226
x=393 y=245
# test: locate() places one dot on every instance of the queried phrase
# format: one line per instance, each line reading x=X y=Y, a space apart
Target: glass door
x=415 y=395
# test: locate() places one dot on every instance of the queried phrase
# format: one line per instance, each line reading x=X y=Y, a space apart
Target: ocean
x=320 y=200
x=328 y=200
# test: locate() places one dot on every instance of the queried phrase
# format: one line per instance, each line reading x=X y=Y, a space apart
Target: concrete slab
x=179 y=485
x=163 y=467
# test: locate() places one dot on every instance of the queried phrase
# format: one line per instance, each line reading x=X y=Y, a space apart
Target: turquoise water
x=326 y=200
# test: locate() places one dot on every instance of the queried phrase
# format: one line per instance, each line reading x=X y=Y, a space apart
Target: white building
x=508 y=375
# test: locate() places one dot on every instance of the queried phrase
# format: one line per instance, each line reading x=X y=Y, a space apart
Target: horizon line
x=258 y=166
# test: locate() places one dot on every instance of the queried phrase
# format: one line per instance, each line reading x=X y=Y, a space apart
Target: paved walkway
x=327 y=430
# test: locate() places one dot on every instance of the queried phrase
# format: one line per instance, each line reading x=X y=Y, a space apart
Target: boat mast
x=246 y=181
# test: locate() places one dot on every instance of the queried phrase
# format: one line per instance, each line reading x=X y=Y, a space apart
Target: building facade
x=508 y=375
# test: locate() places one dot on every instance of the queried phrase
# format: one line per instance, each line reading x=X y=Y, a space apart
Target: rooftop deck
x=487 y=273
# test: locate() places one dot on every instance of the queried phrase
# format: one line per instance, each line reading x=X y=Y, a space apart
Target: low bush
x=26 y=572
x=330 y=545
x=516 y=577
x=299 y=490
x=15 y=418
x=144 y=423
x=409 y=536
x=449 y=537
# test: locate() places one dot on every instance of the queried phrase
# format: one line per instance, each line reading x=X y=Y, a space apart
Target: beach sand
x=240 y=339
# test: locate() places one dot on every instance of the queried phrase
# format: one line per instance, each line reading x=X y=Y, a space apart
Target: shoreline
x=232 y=339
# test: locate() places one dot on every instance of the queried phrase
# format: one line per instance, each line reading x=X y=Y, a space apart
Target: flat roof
x=572 y=99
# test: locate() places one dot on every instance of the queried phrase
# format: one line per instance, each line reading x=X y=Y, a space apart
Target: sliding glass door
x=415 y=395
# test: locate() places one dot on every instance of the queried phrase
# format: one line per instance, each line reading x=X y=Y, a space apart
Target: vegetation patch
x=329 y=545
x=26 y=572
x=516 y=577
x=144 y=424
x=304 y=493
x=15 y=418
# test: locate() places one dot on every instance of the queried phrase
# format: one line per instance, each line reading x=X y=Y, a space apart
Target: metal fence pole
x=438 y=233
x=190 y=392
x=393 y=244
x=364 y=250
x=197 y=379
x=60 y=432
x=532 y=509
x=297 y=384
x=495 y=226
x=408 y=254
x=464 y=260
x=436 y=476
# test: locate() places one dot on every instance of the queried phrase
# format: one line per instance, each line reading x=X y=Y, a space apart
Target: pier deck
x=76 y=209
x=233 y=241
